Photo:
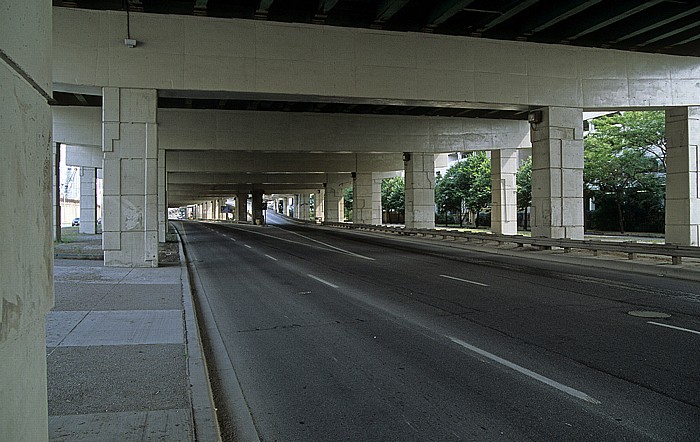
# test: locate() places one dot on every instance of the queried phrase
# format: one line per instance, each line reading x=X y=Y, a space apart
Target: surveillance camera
x=130 y=42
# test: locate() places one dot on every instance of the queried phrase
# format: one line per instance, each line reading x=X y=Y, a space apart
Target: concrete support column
x=242 y=207
x=557 y=173
x=683 y=176
x=320 y=202
x=88 y=200
x=367 y=199
x=331 y=198
x=295 y=205
x=217 y=209
x=56 y=192
x=419 y=190
x=130 y=145
x=257 y=206
x=26 y=254
x=304 y=203
x=504 y=194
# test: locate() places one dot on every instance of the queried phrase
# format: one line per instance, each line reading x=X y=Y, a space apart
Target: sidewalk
x=123 y=355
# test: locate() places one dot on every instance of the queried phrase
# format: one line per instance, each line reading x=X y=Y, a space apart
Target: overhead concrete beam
x=205 y=190
x=187 y=129
x=84 y=156
x=77 y=125
x=252 y=178
x=261 y=162
x=329 y=62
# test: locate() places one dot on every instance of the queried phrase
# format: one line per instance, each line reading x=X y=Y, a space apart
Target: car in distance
x=76 y=222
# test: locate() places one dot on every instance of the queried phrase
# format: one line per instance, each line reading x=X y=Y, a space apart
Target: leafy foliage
x=465 y=185
x=347 y=203
x=523 y=181
x=625 y=157
x=393 y=194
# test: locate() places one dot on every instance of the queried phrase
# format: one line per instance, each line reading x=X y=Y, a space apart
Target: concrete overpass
x=295 y=71
x=326 y=90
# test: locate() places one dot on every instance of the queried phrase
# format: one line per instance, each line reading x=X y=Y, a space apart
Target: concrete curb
x=205 y=424
x=88 y=256
x=233 y=401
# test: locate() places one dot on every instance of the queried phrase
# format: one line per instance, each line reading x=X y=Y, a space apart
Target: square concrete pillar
x=257 y=206
x=504 y=194
x=242 y=207
x=88 y=200
x=682 y=176
x=557 y=173
x=419 y=190
x=320 y=201
x=295 y=205
x=130 y=145
x=304 y=202
x=26 y=253
x=367 y=199
x=331 y=200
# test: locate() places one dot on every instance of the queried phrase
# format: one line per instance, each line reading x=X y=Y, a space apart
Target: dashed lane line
x=322 y=281
x=464 y=280
x=271 y=257
x=673 y=327
x=545 y=380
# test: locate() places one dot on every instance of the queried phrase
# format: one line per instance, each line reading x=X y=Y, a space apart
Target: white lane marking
x=561 y=387
x=329 y=246
x=673 y=327
x=232 y=239
x=247 y=246
x=321 y=280
x=464 y=280
x=333 y=249
x=271 y=257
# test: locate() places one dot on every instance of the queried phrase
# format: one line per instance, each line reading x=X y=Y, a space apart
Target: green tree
x=465 y=185
x=347 y=203
x=625 y=156
x=523 y=181
x=393 y=194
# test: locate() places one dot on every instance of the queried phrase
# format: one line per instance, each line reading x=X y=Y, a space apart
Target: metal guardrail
x=676 y=252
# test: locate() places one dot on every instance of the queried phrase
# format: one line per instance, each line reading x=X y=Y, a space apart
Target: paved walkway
x=123 y=356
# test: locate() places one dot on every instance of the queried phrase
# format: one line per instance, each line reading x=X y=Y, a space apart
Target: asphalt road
x=338 y=335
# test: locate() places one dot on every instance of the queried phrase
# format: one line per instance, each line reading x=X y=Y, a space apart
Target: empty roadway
x=338 y=335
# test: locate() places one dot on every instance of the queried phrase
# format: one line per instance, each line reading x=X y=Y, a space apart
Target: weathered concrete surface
x=265 y=57
x=117 y=357
x=130 y=144
x=26 y=279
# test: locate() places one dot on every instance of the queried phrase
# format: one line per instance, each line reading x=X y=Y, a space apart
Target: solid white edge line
x=321 y=280
x=464 y=280
x=552 y=383
x=271 y=257
x=673 y=327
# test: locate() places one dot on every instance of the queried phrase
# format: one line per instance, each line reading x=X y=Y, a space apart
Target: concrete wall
x=26 y=279
x=247 y=56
